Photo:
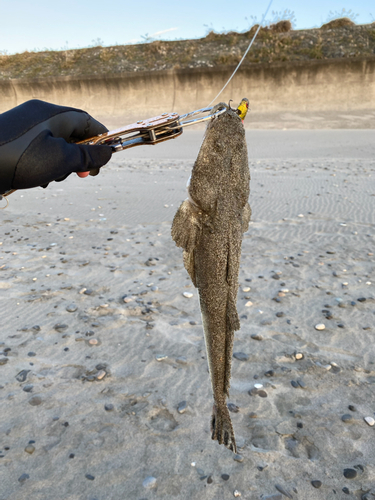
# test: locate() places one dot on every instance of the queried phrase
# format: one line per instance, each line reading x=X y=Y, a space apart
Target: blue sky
x=55 y=24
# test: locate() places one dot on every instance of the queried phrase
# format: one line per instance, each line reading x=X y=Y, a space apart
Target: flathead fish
x=209 y=226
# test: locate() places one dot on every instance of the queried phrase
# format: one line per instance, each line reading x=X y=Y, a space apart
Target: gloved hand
x=36 y=145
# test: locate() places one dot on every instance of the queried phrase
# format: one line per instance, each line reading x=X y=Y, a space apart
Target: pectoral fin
x=186 y=227
x=186 y=231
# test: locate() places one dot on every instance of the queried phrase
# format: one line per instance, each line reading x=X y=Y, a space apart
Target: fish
x=209 y=227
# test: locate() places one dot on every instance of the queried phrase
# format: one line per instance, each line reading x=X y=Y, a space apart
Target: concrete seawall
x=276 y=91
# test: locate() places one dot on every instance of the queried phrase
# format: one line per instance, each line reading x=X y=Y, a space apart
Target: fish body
x=209 y=226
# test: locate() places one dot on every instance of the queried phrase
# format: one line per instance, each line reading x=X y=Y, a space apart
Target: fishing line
x=247 y=50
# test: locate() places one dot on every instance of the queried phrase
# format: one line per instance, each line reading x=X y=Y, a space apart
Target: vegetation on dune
x=338 y=38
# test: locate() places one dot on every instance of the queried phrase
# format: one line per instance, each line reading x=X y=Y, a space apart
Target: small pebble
x=238 y=458
x=246 y=289
x=160 y=357
x=225 y=477
x=346 y=418
x=22 y=375
x=150 y=482
x=301 y=383
x=35 y=401
x=182 y=407
x=280 y=314
x=299 y=356
x=27 y=388
x=294 y=384
x=316 y=484
x=241 y=356
x=248 y=304
x=60 y=327
x=350 y=473
x=346 y=490
x=188 y=295
x=30 y=449
x=236 y=493
x=262 y=394
x=352 y=408
x=109 y=407
x=233 y=408
x=209 y=480
x=101 y=374
x=370 y=421
x=256 y=336
x=320 y=326
x=258 y=386
x=89 y=477
x=31 y=354
x=71 y=308
x=23 y=478
x=93 y=341
x=3 y=361
x=335 y=368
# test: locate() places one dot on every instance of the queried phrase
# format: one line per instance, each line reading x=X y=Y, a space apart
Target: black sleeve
x=37 y=144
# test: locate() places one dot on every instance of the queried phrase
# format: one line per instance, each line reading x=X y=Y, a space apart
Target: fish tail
x=221 y=427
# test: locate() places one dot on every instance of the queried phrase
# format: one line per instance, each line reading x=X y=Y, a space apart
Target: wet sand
x=100 y=346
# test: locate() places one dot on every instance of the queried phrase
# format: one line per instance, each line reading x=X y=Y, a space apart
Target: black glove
x=36 y=144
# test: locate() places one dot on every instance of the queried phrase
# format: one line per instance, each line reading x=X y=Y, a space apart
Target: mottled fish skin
x=209 y=226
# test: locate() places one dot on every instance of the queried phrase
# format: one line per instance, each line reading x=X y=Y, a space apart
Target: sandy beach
x=104 y=387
